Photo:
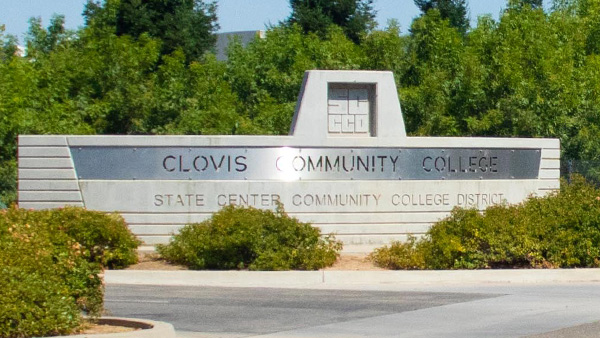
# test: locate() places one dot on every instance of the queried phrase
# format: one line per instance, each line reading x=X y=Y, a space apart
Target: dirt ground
x=151 y=261
x=351 y=262
x=348 y=262
x=102 y=328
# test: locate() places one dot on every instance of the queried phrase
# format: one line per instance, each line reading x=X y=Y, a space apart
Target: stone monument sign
x=347 y=167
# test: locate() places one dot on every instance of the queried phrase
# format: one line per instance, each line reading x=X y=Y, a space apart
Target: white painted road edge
x=307 y=278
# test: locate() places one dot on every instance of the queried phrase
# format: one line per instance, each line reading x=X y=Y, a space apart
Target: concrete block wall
x=48 y=179
x=393 y=209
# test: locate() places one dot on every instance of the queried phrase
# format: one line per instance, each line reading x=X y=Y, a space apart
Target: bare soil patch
x=354 y=262
x=152 y=261
x=347 y=262
x=92 y=328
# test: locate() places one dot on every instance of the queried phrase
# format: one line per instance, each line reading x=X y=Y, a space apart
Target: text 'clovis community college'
x=290 y=164
x=395 y=165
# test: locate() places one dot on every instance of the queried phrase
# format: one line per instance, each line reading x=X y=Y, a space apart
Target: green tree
x=101 y=17
x=535 y=4
x=194 y=99
x=435 y=54
x=180 y=24
x=386 y=50
x=41 y=41
x=17 y=93
x=356 y=17
x=589 y=12
x=267 y=75
x=8 y=45
x=116 y=85
x=454 y=11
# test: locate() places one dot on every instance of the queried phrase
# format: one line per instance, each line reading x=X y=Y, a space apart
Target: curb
x=213 y=278
x=149 y=329
x=307 y=278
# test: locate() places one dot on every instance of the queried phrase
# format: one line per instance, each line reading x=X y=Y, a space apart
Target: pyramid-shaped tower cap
x=341 y=103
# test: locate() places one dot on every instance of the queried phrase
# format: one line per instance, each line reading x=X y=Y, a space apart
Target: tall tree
x=8 y=45
x=535 y=4
x=40 y=40
x=454 y=11
x=180 y=24
x=356 y=17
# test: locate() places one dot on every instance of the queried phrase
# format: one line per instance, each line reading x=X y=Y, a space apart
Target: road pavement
x=304 y=307
x=254 y=311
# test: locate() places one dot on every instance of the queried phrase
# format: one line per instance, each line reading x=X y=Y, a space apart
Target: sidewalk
x=331 y=278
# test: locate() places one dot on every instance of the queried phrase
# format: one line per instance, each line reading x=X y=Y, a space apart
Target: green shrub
x=35 y=304
x=50 y=265
x=239 y=238
x=558 y=230
x=468 y=239
x=399 y=255
x=105 y=238
x=567 y=225
x=46 y=282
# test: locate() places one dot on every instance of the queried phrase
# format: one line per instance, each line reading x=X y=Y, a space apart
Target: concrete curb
x=307 y=278
x=149 y=329
x=213 y=278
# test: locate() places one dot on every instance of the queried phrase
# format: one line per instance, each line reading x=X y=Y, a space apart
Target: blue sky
x=234 y=15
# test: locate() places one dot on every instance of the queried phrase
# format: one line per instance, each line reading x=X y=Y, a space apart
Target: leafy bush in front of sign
x=558 y=230
x=567 y=225
x=468 y=239
x=46 y=280
x=400 y=255
x=240 y=238
x=104 y=238
x=35 y=304
x=51 y=260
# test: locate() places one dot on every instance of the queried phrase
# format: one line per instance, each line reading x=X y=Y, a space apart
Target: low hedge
x=35 y=303
x=104 y=238
x=50 y=267
x=249 y=238
x=561 y=230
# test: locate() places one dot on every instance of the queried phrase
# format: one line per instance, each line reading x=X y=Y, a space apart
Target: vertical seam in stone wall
x=75 y=171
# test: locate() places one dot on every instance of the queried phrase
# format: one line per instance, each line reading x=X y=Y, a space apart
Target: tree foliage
x=535 y=4
x=455 y=11
x=8 y=45
x=188 y=25
x=531 y=73
x=42 y=41
x=356 y=17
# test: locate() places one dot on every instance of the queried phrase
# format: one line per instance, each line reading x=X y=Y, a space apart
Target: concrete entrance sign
x=347 y=166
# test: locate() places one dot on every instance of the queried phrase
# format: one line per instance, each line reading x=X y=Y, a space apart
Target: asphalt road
x=232 y=312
